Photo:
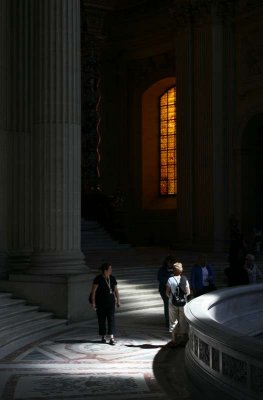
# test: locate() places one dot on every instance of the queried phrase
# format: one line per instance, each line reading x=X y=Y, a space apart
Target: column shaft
x=223 y=99
x=202 y=137
x=57 y=137
x=20 y=244
x=219 y=175
x=184 y=81
x=4 y=135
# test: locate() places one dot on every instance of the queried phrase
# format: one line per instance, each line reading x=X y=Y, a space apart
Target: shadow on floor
x=145 y=346
x=169 y=371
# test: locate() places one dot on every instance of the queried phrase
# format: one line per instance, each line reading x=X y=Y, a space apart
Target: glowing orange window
x=168 y=168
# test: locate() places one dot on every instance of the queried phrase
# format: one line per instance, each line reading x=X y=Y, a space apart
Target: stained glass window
x=168 y=168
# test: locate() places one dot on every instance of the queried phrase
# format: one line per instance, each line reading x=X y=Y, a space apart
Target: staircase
x=138 y=288
x=21 y=324
x=94 y=238
x=136 y=273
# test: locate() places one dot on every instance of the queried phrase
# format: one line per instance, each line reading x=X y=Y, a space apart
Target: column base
x=3 y=265
x=64 y=295
x=18 y=261
x=64 y=263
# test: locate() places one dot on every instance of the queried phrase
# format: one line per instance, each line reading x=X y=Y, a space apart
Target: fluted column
x=233 y=204
x=223 y=99
x=56 y=136
x=20 y=220
x=218 y=85
x=202 y=135
x=4 y=132
x=184 y=82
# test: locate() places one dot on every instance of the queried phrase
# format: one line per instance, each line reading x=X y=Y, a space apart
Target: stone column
x=20 y=175
x=4 y=132
x=56 y=134
x=233 y=201
x=218 y=121
x=202 y=133
x=222 y=86
x=58 y=279
x=184 y=83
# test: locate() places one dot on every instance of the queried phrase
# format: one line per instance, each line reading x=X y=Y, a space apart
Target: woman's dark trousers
x=106 y=313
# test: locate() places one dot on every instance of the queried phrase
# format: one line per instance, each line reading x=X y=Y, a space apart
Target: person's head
x=168 y=261
x=201 y=259
x=106 y=269
x=177 y=268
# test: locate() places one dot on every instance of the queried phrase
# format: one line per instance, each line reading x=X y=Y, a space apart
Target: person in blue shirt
x=202 y=276
x=164 y=273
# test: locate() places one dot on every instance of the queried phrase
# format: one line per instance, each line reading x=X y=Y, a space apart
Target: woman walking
x=104 y=297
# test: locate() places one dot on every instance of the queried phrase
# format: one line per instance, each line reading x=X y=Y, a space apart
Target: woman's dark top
x=103 y=295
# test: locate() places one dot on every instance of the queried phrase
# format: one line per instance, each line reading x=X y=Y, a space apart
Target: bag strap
x=178 y=286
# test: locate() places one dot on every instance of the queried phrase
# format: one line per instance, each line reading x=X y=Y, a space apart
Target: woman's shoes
x=111 y=342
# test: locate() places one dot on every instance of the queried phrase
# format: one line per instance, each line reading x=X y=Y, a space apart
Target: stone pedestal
x=64 y=295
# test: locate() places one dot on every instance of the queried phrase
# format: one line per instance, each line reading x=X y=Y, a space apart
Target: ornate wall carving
x=91 y=43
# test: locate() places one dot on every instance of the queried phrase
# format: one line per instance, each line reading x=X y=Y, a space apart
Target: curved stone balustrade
x=224 y=355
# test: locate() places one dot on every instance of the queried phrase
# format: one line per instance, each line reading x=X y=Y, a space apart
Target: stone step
x=30 y=337
x=95 y=237
x=10 y=302
x=14 y=321
x=140 y=287
x=20 y=322
x=145 y=296
x=17 y=310
x=9 y=335
x=140 y=305
x=4 y=295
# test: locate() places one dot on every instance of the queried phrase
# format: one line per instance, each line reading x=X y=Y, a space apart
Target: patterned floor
x=75 y=365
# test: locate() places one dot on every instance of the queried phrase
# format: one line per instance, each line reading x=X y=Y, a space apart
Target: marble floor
x=75 y=365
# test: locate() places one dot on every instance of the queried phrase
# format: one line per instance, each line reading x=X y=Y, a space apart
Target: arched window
x=168 y=167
